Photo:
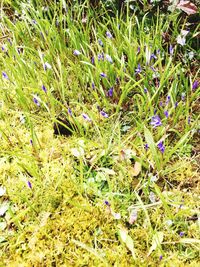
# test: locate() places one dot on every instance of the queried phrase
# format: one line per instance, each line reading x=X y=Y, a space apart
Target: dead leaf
x=187 y=7
x=135 y=171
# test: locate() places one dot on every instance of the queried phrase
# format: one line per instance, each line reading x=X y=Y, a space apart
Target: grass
x=105 y=195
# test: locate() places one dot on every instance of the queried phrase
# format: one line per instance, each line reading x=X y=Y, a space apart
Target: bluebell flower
x=138 y=69
x=4 y=75
x=145 y=90
x=156 y=121
x=166 y=114
x=93 y=85
x=92 y=60
x=161 y=147
x=76 y=52
x=195 y=85
x=146 y=146
x=107 y=203
x=181 y=234
x=153 y=56
x=86 y=117
x=100 y=42
x=29 y=184
x=171 y=50
x=104 y=114
x=109 y=35
x=36 y=101
x=168 y=99
x=110 y=92
x=176 y=104
x=44 y=88
x=102 y=74
x=109 y=59
x=69 y=111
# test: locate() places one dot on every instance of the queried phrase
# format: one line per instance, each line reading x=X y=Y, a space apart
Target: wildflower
x=152 y=197
x=3 y=48
x=31 y=142
x=36 y=101
x=93 y=86
x=156 y=121
x=138 y=70
x=69 y=111
x=34 y=21
x=161 y=257
x=176 y=104
x=99 y=56
x=110 y=92
x=155 y=110
x=86 y=117
x=29 y=184
x=100 y=42
x=133 y=216
x=138 y=50
x=92 y=60
x=168 y=99
x=181 y=234
x=145 y=90
x=47 y=66
x=107 y=203
x=181 y=38
x=195 y=85
x=117 y=216
x=102 y=74
x=183 y=97
x=104 y=114
x=161 y=147
x=153 y=56
x=109 y=59
x=166 y=113
x=189 y=120
x=146 y=146
x=158 y=52
x=171 y=50
x=161 y=104
x=109 y=35
x=76 y=52
x=44 y=88
x=4 y=75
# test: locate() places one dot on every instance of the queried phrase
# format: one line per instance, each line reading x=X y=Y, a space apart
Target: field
x=99 y=136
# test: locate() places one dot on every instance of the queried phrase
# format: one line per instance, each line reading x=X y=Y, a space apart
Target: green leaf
x=125 y=238
x=156 y=241
x=152 y=146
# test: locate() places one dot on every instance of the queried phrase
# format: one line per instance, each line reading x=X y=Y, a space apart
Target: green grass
x=53 y=210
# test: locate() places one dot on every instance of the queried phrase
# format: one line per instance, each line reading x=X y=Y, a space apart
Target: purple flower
x=102 y=74
x=161 y=147
x=171 y=50
x=138 y=50
x=155 y=110
x=76 y=52
x=195 y=85
x=189 y=120
x=176 y=104
x=47 y=66
x=109 y=59
x=44 y=88
x=168 y=99
x=4 y=75
x=93 y=85
x=99 y=56
x=104 y=114
x=161 y=257
x=161 y=104
x=138 y=70
x=3 y=48
x=153 y=56
x=156 y=121
x=158 y=52
x=183 y=97
x=36 y=101
x=29 y=184
x=181 y=234
x=146 y=146
x=110 y=92
x=166 y=113
x=107 y=203
x=31 y=142
x=86 y=117
x=92 y=60
x=34 y=21
x=100 y=42
x=69 y=111
x=145 y=90
x=109 y=35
